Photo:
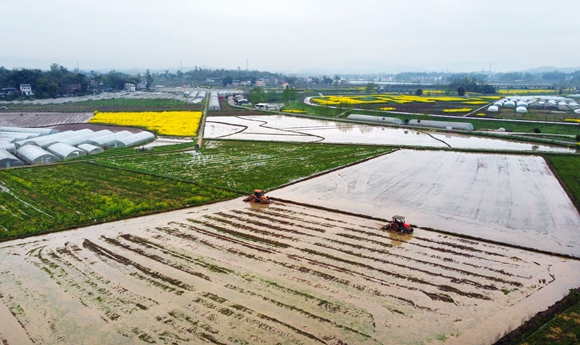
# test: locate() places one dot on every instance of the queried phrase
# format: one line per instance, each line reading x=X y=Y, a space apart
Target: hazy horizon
x=291 y=37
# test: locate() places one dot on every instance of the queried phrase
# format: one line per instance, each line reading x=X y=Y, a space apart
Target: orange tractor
x=258 y=197
x=398 y=224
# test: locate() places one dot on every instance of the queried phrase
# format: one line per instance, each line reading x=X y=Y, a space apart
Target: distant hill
x=545 y=69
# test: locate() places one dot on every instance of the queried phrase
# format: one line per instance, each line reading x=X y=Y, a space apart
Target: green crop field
x=245 y=166
x=54 y=197
x=568 y=168
x=564 y=329
x=114 y=104
x=60 y=196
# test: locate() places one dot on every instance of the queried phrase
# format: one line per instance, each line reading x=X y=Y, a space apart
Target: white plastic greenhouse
x=33 y=154
x=7 y=160
x=464 y=126
x=82 y=137
x=376 y=119
x=132 y=140
x=493 y=109
x=88 y=138
x=17 y=136
x=522 y=104
x=90 y=149
x=47 y=140
x=521 y=109
x=64 y=151
x=41 y=131
x=214 y=103
x=104 y=140
x=8 y=146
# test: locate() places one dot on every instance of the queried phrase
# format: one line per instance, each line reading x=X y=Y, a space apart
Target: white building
x=26 y=90
x=129 y=87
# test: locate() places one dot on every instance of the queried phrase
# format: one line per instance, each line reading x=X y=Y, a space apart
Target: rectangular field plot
x=47 y=198
x=236 y=273
x=505 y=198
x=296 y=129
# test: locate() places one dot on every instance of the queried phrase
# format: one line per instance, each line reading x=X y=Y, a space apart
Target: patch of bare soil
x=95 y=127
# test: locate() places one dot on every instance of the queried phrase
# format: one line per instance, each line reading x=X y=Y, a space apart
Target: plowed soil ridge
x=284 y=273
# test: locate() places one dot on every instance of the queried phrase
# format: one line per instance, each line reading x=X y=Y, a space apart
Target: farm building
x=41 y=131
x=7 y=160
x=214 y=103
x=376 y=119
x=90 y=149
x=64 y=151
x=464 y=126
x=33 y=154
x=133 y=140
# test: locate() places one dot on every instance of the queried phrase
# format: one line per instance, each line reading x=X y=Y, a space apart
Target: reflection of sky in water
x=288 y=128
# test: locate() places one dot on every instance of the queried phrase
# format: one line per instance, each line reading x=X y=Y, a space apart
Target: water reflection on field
x=288 y=128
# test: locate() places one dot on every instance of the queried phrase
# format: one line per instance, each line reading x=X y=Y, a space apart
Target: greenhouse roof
x=90 y=149
x=41 y=131
x=7 y=160
x=64 y=151
x=32 y=154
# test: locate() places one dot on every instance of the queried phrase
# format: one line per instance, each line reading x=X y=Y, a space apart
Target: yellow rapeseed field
x=172 y=123
x=457 y=110
x=526 y=92
x=398 y=99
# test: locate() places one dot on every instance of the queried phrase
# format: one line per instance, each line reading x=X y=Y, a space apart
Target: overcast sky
x=290 y=36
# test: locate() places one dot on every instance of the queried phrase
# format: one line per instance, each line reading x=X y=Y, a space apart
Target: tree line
x=58 y=80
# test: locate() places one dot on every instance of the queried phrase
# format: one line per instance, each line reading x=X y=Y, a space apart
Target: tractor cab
x=258 y=197
x=400 y=220
x=398 y=224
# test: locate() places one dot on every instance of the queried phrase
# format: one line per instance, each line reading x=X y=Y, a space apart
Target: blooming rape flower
x=177 y=123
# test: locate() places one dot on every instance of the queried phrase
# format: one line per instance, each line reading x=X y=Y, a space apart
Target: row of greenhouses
x=19 y=146
x=462 y=126
x=523 y=103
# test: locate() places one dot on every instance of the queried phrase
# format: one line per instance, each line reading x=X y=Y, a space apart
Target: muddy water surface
x=288 y=128
x=235 y=273
x=506 y=198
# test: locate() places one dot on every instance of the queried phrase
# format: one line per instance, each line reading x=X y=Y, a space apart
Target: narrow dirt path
x=202 y=123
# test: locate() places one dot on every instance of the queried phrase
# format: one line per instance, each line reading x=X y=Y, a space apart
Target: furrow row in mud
x=261 y=225
x=142 y=268
x=260 y=274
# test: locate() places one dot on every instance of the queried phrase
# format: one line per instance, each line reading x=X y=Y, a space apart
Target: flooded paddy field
x=506 y=198
x=289 y=128
x=236 y=273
